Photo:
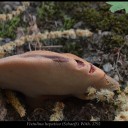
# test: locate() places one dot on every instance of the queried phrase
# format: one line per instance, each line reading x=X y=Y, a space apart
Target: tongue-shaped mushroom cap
x=38 y=73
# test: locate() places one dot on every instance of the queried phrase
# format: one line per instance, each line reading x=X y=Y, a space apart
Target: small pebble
x=107 y=67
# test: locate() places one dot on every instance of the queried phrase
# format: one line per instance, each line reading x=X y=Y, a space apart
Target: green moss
x=112 y=41
x=47 y=11
x=54 y=11
x=73 y=47
x=70 y=45
x=68 y=22
x=91 y=17
x=8 y=28
x=95 y=18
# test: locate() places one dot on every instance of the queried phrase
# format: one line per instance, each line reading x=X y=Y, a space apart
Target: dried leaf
x=118 y=6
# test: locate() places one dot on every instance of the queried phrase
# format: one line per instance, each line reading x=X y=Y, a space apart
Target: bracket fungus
x=39 y=74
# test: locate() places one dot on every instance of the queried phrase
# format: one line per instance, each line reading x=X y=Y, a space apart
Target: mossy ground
x=93 y=15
